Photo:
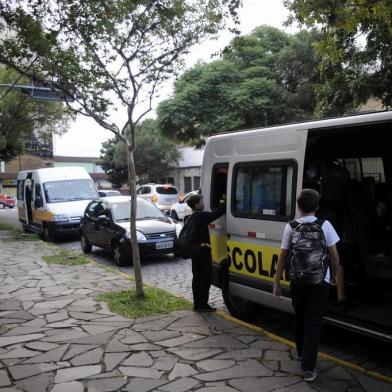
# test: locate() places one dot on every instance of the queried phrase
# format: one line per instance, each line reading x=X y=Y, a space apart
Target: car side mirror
x=103 y=219
x=38 y=202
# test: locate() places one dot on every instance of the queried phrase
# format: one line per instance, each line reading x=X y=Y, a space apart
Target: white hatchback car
x=162 y=195
x=181 y=209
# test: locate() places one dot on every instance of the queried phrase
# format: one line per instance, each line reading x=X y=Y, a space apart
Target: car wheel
x=2 y=206
x=47 y=235
x=174 y=215
x=238 y=307
x=84 y=244
x=10 y=206
x=118 y=253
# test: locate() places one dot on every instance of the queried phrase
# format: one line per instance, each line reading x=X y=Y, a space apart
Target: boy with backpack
x=200 y=250
x=309 y=249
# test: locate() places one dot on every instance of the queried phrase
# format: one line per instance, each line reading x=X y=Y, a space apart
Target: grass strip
x=6 y=226
x=156 y=301
x=18 y=235
x=66 y=258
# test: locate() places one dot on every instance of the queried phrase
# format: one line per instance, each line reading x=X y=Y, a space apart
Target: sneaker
x=309 y=376
x=205 y=308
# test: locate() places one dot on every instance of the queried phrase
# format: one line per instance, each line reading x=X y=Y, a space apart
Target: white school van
x=51 y=201
x=261 y=171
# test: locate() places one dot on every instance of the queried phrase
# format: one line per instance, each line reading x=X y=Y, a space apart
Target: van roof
x=358 y=118
x=57 y=173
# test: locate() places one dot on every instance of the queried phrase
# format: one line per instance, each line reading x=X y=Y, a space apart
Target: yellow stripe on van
x=218 y=248
x=256 y=261
x=42 y=215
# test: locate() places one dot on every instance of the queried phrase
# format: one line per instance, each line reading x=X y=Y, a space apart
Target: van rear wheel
x=238 y=307
x=47 y=234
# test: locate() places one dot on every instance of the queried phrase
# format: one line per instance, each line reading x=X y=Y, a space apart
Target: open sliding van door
x=265 y=176
x=24 y=199
x=218 y=230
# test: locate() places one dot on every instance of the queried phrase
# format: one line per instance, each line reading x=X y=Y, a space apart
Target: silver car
x=162 y=195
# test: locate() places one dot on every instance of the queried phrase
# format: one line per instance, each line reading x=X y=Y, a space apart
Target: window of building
x=196 y=183
x=264 y=190
x=188 y=184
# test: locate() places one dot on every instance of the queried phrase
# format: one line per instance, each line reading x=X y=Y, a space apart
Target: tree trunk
x=134 y=246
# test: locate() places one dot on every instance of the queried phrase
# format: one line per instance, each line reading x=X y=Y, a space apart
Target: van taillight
x=154 y=198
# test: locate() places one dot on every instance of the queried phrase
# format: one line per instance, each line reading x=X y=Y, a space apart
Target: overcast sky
x=85 y=137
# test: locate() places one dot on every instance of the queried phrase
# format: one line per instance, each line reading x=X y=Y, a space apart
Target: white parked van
x=51 y=201
x=348 y=160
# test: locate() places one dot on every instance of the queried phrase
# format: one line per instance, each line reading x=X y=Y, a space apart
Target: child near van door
x=309 y=245
x=201 y=260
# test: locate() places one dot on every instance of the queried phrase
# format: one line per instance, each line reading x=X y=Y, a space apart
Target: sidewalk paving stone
x=35 y=384
x=73 y=386
x=181 y=385
x=76 y=373
x=182 y=370
x=139 y=384
x=55 y=337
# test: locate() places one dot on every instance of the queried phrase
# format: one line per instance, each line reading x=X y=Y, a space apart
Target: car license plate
x=164 y=245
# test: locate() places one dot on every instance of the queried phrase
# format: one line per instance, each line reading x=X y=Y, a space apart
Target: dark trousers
x=202 y=277
x=310 y=304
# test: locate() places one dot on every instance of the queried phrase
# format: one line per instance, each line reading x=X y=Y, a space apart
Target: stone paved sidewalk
x=55 y=337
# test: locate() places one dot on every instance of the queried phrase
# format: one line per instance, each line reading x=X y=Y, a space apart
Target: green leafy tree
x=20 y=116
x=107 y=53
x=154 y=157
x=355 y=49
x=264 y=78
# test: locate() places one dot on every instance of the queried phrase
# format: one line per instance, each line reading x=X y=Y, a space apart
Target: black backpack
x=186 y=239
x=308 y=254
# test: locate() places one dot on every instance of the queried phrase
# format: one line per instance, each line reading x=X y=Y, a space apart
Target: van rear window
x=264 y=190
x=166 y=190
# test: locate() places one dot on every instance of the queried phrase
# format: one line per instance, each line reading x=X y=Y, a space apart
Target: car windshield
x=69 y=190
x=145 y=210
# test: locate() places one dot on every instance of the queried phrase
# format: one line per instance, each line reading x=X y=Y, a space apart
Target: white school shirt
x=331 y=237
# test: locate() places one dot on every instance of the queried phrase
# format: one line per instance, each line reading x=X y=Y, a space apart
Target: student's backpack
x=185 y=242
x=308 y=254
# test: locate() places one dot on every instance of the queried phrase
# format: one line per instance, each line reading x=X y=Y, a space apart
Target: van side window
x=219 y=184
x=20 y=190
x=37 y=191
x=264 y=190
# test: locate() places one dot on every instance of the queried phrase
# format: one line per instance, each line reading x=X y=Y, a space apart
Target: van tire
x=2 y=206
x=10 y=206
x=84 y=244
x=47 y=235
x=238 y=307
x=118 y=254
